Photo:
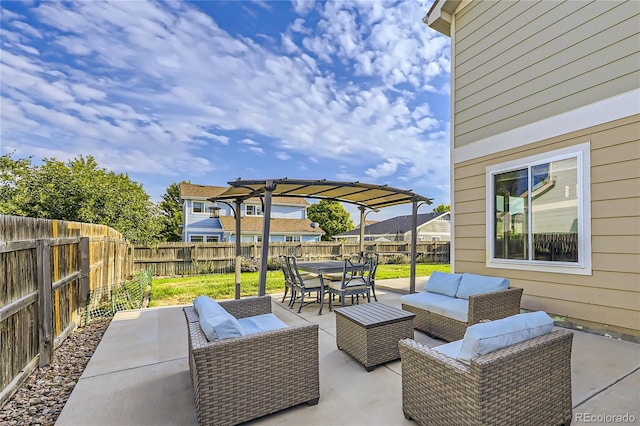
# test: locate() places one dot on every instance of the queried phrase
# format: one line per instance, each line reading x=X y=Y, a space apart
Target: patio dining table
x=323 y=267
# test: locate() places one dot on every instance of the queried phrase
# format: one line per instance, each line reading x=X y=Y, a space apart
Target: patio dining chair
x=304 y=284
x=375 y=259
x=356 y=281
x=289 y=280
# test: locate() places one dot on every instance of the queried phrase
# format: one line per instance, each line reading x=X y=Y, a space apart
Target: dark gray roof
x=395 y=225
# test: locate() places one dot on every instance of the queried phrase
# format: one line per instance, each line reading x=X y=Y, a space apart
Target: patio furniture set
x=509 y=369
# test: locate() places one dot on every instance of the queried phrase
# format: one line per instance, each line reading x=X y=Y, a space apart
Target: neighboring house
x=545 y=152
x=431 y=227
x=289 y=220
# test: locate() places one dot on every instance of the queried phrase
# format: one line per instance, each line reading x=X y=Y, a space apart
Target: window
x=435 y=238
x=213 y=239
x=196 y=238
x=254 y=210
x=538 y=215
x=290 y=238
x=198 y=207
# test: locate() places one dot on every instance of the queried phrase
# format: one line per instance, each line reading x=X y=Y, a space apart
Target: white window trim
x=583 y=267
x=191 y=237
x=255 y=206
x=204 y=207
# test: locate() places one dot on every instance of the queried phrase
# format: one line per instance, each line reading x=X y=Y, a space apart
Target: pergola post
x=362 y=218
x=262 y=286
x=238 y=264
x=414 y=245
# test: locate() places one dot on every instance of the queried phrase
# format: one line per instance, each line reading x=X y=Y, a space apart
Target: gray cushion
x=261 y=323
x=457 y=309
x=483 y=338
x=216 y=323
x=443 y=283
x=472 y=284
x=206 y=306
x=311 y=282
x=422 y=300
x=450 y=349
x=220 y=326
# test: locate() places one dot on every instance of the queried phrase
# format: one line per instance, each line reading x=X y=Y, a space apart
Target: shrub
x=397 y=259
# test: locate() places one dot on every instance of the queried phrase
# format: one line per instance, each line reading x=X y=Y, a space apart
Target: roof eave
x=440 y=16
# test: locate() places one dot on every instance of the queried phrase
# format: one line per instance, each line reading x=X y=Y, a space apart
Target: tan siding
x=470 y=231
x=562 y=43
x=521 y=62
x=616 y=170
x=617 y=226
x=611 y=295
x=615 y=189
x=623 y=318
x=622 y=207
x=564 y=80
x=591 y=295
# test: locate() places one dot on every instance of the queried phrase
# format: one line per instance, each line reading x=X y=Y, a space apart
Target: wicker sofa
x=527 y=383
x=472 y=297
x=242 y=378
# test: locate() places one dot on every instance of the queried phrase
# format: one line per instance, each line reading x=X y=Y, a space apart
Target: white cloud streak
x=157 y=82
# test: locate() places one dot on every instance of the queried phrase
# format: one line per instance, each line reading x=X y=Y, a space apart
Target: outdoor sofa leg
x=313 y=401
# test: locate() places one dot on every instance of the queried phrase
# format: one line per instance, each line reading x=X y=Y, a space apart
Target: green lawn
x=182 y=290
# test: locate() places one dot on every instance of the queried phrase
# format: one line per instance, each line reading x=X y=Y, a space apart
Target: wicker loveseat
x=526 y=383
x=452 y=302
x=242 y=378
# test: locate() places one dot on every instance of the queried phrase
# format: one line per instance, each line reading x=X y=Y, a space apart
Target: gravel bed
x=42 y=396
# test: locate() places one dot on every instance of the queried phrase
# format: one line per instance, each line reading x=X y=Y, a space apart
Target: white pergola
x=365 y=196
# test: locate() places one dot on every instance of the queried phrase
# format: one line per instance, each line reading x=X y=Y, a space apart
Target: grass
x=182 y=290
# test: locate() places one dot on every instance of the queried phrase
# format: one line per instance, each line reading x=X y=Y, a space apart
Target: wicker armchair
x=486 y=306
x=528 y=383
x=239 y=379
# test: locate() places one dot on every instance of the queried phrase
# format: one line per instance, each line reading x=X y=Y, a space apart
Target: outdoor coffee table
x=370 y=332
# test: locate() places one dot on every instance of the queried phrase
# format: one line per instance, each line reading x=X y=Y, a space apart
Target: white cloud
x=155 y=82
x=303 y=7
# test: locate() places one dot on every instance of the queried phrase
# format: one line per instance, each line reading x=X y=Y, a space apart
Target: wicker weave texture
x=240 y=379
x=525 y=384
x=375 y=345
x=486 y=306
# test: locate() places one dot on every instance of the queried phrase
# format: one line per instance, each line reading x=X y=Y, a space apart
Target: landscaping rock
x=42 y=396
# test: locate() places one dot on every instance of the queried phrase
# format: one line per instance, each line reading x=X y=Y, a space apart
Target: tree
x=78 y=191
x=12 y=182
x=442 y=208
x=171 y=213
x=332 y=218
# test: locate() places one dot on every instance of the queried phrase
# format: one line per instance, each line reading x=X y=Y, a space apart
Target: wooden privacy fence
x=167 y=259
x=47 y=269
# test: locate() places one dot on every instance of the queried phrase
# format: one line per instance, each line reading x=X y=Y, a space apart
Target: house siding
x=609 y=299
x=517 y=63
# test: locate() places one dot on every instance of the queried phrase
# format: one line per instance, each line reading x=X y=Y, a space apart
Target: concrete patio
x=139 y=375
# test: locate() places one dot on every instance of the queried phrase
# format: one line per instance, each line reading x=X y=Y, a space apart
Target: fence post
x=84 y=270
x=45 y=308
x=105 y=263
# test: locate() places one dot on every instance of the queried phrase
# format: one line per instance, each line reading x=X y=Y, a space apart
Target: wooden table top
x=374 y=314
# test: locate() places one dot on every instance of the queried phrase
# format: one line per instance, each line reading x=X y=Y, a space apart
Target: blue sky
x=216 y=90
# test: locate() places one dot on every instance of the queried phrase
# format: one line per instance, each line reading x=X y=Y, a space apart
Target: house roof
x=395 y=225
x=361 y=194
x=204 y=192
x=254 y=224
